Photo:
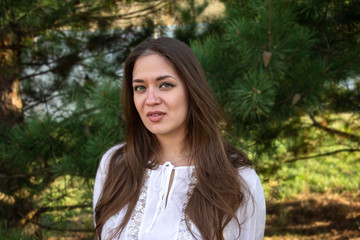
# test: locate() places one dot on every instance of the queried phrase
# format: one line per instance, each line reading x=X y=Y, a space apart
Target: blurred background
x=287 y=73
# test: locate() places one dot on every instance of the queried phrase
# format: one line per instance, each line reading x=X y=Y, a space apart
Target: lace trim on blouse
x=136 y=219
x=137 y=216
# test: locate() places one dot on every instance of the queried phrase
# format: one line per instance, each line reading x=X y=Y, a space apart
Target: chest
x=159 y=211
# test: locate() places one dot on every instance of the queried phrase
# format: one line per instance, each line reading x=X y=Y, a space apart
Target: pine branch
x=269 y=26
x=321 y=75
x=325 y=13
x=322 y=155
x=129 y=16
x=329 y=51
x=37 y=74
x=249 y=40
x=348 y=64
x=325 y=37
x=38 y=212
x=141 y=10
x=4 y=176
x=59 y=59
x=334 y=131
x=45 y=99
x=28 y=12
x=43 y=226
x=60 y=208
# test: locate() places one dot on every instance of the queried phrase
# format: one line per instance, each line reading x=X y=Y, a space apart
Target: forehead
x=153 y=63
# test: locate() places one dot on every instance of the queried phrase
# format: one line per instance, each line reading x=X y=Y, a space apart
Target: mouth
x=155 y=116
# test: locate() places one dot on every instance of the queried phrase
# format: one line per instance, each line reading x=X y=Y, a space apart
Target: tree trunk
x=10 y=99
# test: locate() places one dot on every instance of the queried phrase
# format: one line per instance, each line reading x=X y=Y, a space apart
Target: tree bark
x=11 y=106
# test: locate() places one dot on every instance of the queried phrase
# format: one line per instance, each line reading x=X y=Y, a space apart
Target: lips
x=155 y=116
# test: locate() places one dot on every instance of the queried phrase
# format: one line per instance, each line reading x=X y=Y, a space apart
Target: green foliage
x=188 y=30
x=323 y=172
x=269 y=62
x=69 y=64
x=252 y=97
x=189 y=25
x=335 y=174
x=276 y=61
x=71 y=142
x=213 y=58
x=15 y=235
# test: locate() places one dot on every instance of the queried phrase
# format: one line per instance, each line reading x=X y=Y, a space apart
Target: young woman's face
x=160 y=96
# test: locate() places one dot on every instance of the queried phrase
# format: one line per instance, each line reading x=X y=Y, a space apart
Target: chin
x=156 y=131
x=159 y=133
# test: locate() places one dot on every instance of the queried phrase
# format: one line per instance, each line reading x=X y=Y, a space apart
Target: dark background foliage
x=271 y=64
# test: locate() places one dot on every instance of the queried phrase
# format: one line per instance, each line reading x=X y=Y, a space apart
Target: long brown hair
x=219 y=190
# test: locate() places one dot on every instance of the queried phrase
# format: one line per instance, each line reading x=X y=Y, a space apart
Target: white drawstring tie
x=165 y=173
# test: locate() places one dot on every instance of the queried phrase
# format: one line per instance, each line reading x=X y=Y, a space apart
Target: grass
x=336 y=174
x=317 y=198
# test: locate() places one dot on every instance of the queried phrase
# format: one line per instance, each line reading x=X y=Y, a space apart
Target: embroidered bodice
x=159 y=212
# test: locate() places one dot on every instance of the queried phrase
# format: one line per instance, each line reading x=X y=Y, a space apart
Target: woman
x=175 y=177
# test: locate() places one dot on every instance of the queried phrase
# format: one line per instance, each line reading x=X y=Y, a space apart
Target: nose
x=152 y=97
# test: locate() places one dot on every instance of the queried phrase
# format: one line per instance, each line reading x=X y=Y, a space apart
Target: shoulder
x=102 y=173
x=251 y=178
x=253 y=213
x=255 y=189
x=105 y=160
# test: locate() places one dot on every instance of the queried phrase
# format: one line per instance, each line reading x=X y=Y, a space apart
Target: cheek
x=137 y=104
x=184 y=105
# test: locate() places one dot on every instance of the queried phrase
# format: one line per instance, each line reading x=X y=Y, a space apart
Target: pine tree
x=187 y=19
x=278 y=61
x=59 y=86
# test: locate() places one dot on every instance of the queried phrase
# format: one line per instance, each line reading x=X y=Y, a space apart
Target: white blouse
x=159 y=212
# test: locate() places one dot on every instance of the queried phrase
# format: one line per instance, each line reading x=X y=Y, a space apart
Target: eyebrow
x=157 y=79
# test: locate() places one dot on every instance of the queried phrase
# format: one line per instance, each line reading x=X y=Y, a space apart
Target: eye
x=139 y=88
x=166 y=85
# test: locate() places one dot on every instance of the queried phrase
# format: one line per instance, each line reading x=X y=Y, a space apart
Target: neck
x=174 y=151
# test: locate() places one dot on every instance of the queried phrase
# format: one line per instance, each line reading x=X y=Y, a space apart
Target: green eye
x=139 y=88
x=166 y=85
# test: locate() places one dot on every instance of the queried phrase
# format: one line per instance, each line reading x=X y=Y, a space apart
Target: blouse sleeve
x=253 y=215
x=101 y=175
